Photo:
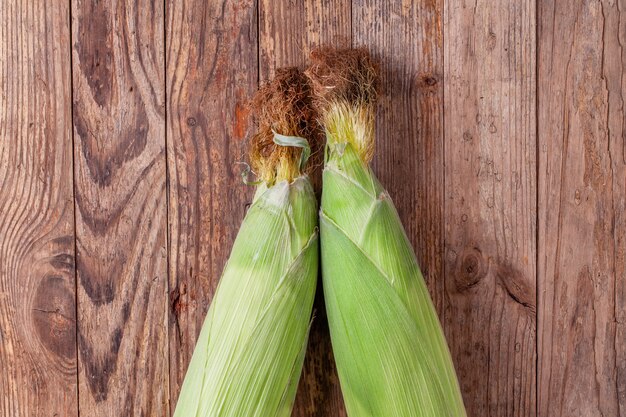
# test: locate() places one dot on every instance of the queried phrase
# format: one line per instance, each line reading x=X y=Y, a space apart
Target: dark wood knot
x=177 y=299
x=429 y=80
x=53 y=315
x=472 y=269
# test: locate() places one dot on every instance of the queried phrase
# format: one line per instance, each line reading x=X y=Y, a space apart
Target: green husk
x=249 y=354
x=391 y=354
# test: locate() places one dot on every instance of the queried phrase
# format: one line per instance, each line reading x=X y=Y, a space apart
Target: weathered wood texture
x=582 y=206
x=490 y=203
x=120 y=191
x=288 y=31
x=211 y=74
x=500 y=137
x=37 y=302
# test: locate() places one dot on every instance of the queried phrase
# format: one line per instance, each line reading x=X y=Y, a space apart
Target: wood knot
x=491 y=41
x=429 y=80
x=191 y=121
x=472 y=269
x=177 y=296
x=53 y=315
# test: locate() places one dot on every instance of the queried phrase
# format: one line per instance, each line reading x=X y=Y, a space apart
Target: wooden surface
x=490 y=204
x=582 y=206
x=37 y=297
x=121 y=213
x=501 y=138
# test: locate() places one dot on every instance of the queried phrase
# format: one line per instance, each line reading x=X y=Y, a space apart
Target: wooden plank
x=490 y=202
x=288 y=31
x=37 y=298
x=211 y=74
x=120 y=191
x=582 y=203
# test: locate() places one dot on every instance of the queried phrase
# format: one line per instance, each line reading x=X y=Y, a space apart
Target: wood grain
x=211 y=74
x=582 y=203
x=37 y=302
x=288 y=31
x=120 y=190
x=490 y=203
x=507 y=166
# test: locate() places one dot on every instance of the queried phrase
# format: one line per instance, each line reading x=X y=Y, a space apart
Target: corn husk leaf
x=249 y=354
x=391 y=354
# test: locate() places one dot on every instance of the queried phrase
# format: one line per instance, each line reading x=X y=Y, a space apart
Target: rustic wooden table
x=501 y=138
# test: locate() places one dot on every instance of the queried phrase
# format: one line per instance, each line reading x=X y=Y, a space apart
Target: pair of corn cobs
x=390 y=351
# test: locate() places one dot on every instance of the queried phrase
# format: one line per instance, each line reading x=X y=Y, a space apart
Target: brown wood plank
x=211 y=74
x=582 y=201
x=120 y=170
x=490 y=204
x=37 y=298
x=288 y=31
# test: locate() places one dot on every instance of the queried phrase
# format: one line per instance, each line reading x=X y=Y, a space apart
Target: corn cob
x=249 y=354
x=391 y=354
